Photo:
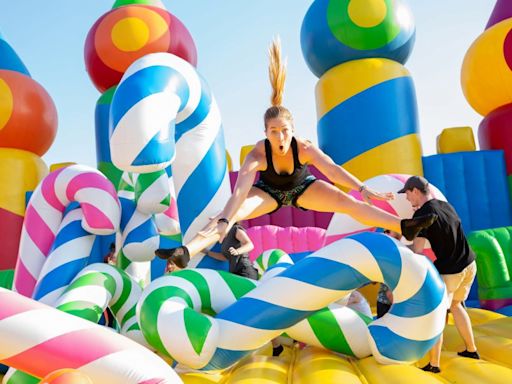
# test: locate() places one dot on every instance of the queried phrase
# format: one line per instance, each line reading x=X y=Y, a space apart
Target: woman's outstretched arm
x=338 y=175
x=223 y=222
x=244 y=182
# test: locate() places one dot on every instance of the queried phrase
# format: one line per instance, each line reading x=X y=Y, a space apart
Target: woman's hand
x=216 y=227
x=232 y=251
x=369 y=194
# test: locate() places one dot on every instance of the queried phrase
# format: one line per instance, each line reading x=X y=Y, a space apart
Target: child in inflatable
x=282 y=160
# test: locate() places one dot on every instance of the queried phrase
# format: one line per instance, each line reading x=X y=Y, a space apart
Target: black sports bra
x=284 y=182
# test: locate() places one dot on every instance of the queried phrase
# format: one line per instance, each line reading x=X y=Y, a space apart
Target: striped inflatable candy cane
x=337 y=328
x=168 y=315
x=139 y=237
x=162 y=110
x=135 y=187
x=272 y=262
x=136 y=242
x=175 y=312
x=87 y=297
x=101 y=214
x=152 y=192
x=100 y=286
x=38 y=339
x=68 y=256
x=404 y=334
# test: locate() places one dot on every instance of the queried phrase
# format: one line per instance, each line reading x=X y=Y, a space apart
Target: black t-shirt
x=446 y=237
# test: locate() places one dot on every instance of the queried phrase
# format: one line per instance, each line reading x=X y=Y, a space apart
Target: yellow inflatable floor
x=493 y=334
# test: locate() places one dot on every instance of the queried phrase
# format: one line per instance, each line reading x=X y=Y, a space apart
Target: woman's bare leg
x=323 y=197
x=256 y=204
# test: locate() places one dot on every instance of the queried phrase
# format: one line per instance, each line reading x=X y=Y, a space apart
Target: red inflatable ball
x=127 y=33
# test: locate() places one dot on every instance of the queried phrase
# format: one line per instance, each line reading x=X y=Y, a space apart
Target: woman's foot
x=164 y=253
x=431 y=368
x=411 y=227
x=179 y=256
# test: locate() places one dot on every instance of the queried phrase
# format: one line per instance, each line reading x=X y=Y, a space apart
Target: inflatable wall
x=475 y=184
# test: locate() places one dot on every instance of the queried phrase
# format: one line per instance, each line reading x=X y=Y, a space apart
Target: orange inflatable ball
x=66 y=376
x=487 y=69
x=28 y=118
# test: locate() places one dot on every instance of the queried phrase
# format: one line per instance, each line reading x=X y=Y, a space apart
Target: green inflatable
x=493 y=248
x=6 y=278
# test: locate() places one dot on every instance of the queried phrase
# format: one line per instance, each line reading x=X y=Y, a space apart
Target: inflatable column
x=28 y=125
x=366 y=102
x=487 y=82
x=129 y=31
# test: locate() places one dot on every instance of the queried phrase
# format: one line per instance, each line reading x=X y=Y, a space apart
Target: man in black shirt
x=455 y=261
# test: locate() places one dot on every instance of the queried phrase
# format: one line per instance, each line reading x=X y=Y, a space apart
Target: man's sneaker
x=471 y=355
x=431 y=368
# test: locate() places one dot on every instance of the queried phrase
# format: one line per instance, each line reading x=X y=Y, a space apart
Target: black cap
x=415 y=182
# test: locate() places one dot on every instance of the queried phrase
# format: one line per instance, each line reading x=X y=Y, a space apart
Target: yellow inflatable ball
x=487 y=69
x=66 y=376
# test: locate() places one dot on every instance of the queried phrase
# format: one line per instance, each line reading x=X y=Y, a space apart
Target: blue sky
x=232 y=37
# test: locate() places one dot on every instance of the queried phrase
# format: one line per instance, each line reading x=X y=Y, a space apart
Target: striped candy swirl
x=101 y=214
x=68 y=256
x=162 y=110
x=405 y=334
x=38 y=339
x=298 y=292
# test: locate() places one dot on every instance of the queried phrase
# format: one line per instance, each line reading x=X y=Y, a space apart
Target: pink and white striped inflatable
x=38 y=340
x=101 y=214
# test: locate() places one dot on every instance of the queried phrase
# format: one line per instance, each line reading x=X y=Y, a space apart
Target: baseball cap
x=415 y=182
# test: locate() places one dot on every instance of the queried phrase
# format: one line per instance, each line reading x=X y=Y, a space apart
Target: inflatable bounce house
x=162 y=171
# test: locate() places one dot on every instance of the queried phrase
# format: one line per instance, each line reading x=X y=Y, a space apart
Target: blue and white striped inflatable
x=403 y=335
x=162 y=110
x=282 y=302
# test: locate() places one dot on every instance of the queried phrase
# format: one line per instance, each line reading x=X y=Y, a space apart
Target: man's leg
x=460 y=315
x=435 y=353
x=463 y=325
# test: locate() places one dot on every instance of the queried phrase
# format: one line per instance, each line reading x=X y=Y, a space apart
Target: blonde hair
x=277 y=77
